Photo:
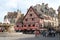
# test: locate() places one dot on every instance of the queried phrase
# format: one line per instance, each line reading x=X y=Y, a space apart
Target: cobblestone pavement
x=20 y=36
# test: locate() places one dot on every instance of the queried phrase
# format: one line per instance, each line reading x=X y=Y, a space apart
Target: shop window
x=45 y=7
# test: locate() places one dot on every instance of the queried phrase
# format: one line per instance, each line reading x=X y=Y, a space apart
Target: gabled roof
x=35 y=11
x=12 y=14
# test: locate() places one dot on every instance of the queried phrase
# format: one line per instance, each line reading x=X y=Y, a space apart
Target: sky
x=12 y=5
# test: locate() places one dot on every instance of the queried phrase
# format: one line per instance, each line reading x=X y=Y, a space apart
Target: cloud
x=6 y=6
x=23 y=5
x=12 y=4
x=2 y=14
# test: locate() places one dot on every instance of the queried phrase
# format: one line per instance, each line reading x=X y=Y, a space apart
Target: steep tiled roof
x=12 y=14
x=39 y=14
x=36 y=12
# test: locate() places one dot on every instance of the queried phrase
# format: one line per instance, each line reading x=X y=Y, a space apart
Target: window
x=30 y=14
x=45 y=7
x=33 y=25
x=24 y=25
x=17 y=25
x=29 y=25
x=41 y=25
x=32 y=19
x=25 y=19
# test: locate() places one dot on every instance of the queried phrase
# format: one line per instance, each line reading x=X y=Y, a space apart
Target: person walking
x=37 y=32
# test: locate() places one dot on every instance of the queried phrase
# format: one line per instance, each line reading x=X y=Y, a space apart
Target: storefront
x=4 y=27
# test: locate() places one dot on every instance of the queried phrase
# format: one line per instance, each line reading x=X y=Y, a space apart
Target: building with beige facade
x=50 y=16
x=58 y=15
x=12 y=17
